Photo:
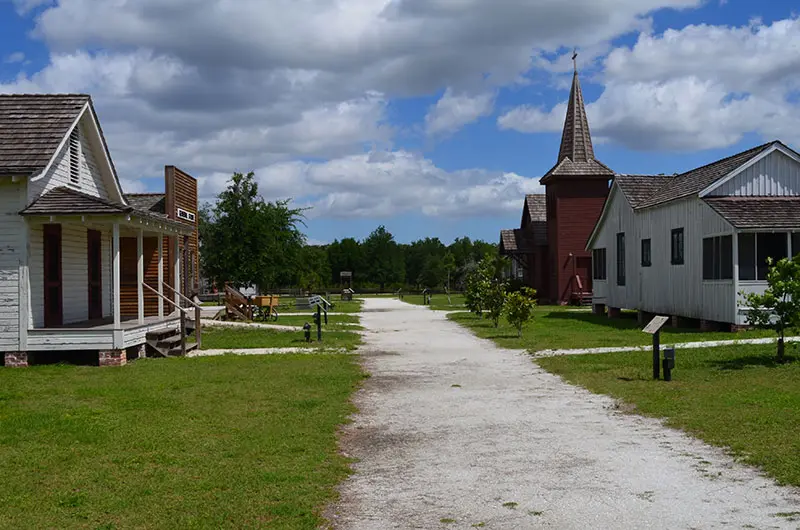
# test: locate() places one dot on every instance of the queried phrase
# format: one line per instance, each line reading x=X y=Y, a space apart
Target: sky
x=431 y=117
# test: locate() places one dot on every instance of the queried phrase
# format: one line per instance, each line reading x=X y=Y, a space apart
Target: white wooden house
x=687 y=245
x=64 y=215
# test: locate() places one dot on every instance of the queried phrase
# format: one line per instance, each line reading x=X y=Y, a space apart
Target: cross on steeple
x=575 y=59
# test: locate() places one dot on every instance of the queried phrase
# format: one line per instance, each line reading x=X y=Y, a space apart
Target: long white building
x=687 y=245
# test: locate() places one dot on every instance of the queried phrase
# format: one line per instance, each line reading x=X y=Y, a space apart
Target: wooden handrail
x=184 y=312
x=179 y=308
x=179 y=294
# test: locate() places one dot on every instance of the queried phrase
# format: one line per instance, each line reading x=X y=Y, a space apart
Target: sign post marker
x=654 y=329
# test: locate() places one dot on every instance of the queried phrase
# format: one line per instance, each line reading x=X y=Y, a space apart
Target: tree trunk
x=781 y=348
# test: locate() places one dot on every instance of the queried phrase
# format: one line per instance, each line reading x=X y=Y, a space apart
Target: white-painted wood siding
x=74 y=272
x=774 y=175
x=11 y=242
x=91 y=180
x=663 y=288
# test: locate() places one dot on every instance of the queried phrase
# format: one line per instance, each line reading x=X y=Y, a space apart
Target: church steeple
x=576 y=141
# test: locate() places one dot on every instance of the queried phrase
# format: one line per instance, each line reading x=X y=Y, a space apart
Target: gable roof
x=66 y=201
x=32 y=126
x=151 y=202
x=758 y=212
x=639 y=188
x=536 y=206
x=694 y=181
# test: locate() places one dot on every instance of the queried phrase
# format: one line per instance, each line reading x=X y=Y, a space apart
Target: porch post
x=160 y=275
x=140 y=274
x=115 y=281
x=176 y=267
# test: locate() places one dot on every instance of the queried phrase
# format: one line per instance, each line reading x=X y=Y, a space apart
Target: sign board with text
x=655 y=325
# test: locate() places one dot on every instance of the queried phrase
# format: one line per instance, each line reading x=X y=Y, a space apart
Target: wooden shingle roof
x=66 y=201
x=151 y=202
x=758 y=212
x=639 y=188
x=516 y=241
x=694 y=181
x=32 y=127
x=537 y=206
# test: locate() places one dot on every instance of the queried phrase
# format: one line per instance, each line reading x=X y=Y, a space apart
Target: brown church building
x=548 y=250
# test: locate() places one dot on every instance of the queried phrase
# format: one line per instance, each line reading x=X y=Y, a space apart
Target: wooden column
x=160 y=275
x=115 y=272
x=176 y=267
x=140 y=274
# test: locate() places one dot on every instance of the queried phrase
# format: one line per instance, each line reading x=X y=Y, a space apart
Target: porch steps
x=167 y=342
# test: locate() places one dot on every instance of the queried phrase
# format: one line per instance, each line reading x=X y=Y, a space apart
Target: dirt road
x=454 y=432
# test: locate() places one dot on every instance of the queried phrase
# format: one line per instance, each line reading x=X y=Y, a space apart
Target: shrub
x=519 y=308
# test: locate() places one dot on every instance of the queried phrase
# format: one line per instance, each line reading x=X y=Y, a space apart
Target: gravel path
x=514 y=447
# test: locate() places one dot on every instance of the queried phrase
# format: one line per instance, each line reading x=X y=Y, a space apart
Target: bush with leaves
x=495 y=300
x=779 y=307
x=519 y=308
x=474 y=291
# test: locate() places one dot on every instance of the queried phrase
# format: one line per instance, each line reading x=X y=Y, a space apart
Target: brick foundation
x=15 y=359
x=709 y=325
x=614 y=312
x=599 y=309
x=113 y=358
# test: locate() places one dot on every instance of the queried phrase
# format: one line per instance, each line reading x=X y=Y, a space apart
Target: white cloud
x=215 y=86
x=453 y=111
x=381 y=184
x=16 y=57
x=697 y=88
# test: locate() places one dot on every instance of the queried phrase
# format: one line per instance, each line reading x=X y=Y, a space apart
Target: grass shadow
x=627 y=321
x=749 y=361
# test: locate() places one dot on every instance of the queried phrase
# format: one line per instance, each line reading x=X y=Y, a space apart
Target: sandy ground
x=454 y=432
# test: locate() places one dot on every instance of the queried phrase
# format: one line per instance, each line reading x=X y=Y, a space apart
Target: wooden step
x=176 y=352
x=161 y=334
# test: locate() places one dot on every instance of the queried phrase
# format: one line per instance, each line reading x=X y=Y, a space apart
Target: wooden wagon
x=265 y=307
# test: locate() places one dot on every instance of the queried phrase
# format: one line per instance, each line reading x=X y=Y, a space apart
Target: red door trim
x=53 y=287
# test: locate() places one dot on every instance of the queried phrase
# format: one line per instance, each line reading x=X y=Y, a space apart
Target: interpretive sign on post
x=654 y=329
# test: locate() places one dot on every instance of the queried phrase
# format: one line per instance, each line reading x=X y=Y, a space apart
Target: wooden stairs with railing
x=580 y=296
x=173 y=342
x=167 y=343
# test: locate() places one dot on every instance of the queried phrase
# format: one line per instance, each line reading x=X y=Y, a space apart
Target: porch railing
x=183 y=313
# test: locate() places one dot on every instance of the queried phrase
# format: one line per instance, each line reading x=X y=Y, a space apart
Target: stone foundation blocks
x=15 y=359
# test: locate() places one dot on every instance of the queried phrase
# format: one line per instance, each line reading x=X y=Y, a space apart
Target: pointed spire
x=576 y=141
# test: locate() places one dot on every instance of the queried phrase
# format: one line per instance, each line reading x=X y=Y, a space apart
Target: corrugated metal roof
x=32 y=126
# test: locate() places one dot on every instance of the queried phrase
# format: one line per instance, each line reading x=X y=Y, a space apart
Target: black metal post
x=656 y=353
x=319 y=324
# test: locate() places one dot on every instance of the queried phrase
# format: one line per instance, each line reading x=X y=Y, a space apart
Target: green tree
x=346 y=255
x=314 y=271
x=247 y=241
x=383 y=258
x=434 y=273
x=485 y=287
x=495 y=301
x=520 y=306
x=779 y=307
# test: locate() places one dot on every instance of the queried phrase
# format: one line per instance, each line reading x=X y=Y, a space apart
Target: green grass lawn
x=224 y=442
x=557 y=328
x=729 y=396
x=221 y=338
x=438 y=301
x=334 y=321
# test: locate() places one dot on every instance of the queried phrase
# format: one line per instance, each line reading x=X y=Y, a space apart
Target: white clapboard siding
x=663 y=288
x=91 y=180
x=774 y=175
x=74 y=274
x=11 y=243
